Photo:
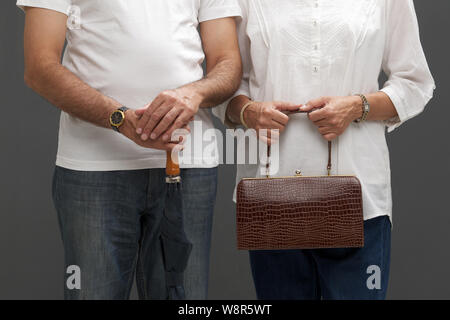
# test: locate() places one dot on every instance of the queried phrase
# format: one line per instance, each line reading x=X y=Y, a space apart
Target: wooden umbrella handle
x=172 y=164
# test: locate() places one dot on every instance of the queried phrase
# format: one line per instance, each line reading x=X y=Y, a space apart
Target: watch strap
x=124 y=109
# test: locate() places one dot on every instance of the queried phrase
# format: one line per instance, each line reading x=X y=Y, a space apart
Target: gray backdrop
x=31 y=257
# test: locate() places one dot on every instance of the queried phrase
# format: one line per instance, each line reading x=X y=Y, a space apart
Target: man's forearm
x=219 y=84
x=69 y=93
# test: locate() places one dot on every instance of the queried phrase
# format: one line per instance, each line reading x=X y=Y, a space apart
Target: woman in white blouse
x=322 y=54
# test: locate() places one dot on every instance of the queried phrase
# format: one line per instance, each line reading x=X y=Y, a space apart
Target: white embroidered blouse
x=298 y=50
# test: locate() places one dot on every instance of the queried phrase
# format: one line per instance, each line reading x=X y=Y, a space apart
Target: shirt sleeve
x=216 y=9
x=62 y=6
x=410 y=84
x=244 y=45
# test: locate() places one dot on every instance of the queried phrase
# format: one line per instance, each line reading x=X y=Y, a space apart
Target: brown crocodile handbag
x=300 y=212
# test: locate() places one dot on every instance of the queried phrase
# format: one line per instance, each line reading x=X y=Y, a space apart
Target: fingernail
x=153 y=136
x=139 y=131
x=165 y=137
x=144 y=137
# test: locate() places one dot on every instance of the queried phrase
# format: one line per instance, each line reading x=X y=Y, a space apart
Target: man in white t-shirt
x=130 y=76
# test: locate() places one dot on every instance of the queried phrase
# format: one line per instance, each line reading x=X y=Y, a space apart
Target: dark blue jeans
x=110 y=222
x=329 y=274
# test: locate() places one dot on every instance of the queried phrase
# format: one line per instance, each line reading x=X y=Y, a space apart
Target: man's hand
x=333 y=114
x=128 y=129
x=171 y=110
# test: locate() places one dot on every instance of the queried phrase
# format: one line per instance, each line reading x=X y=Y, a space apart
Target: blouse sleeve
x=410 y=84
x=244 y=45
x=62 y=6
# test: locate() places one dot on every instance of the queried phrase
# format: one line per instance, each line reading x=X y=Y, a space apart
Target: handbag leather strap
x=269 y=151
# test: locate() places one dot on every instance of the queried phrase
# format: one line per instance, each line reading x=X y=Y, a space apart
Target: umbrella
x=175 y=245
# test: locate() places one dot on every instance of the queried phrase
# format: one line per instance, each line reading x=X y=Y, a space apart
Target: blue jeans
x=110 y=223
x=329 y=274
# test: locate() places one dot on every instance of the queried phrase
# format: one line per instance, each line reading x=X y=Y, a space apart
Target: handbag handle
x=328 y=165
x=269 y=151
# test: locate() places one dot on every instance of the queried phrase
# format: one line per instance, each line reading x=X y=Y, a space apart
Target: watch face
x=116 y=118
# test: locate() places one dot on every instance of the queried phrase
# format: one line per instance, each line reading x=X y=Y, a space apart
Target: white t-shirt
x=131 y=51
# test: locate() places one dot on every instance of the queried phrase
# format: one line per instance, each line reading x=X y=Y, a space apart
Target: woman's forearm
x=234 y=109
x=381 y=107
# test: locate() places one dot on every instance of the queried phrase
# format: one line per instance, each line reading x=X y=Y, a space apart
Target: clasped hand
x=331 y=115
x=170 y=110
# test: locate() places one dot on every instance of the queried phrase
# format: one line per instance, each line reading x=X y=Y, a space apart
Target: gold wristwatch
x=117 y=118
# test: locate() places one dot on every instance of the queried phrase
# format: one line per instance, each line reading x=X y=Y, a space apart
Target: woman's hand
x=334 y=114
x=266 y=116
